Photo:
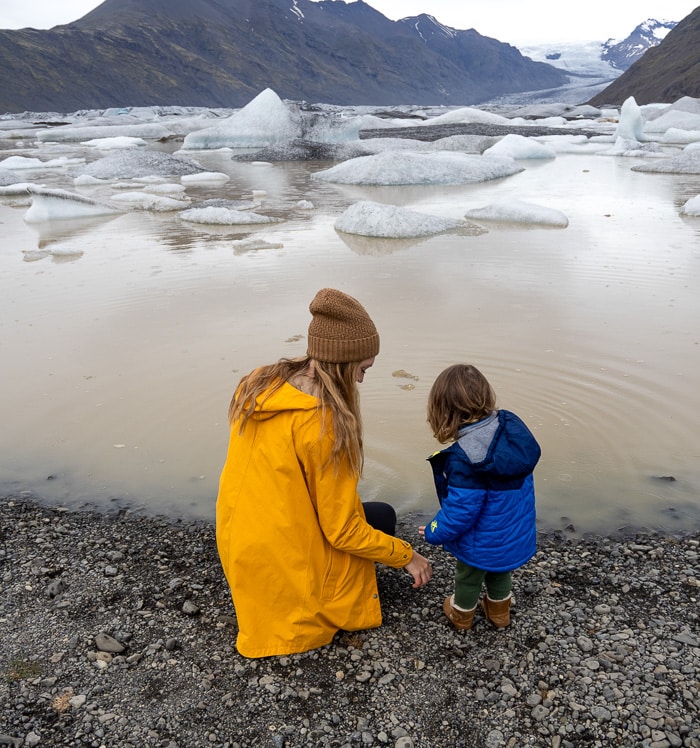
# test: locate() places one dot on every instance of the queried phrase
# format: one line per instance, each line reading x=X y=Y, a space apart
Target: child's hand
x=421 y=531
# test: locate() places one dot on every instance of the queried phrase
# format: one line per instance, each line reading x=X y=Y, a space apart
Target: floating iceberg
x=306 y=150
x=687 y=162
x=468 y=115
x=130 y=164
x=692 y=207
x=205 y=177
x=107 y=144
x=15 y=189
x=50 y=205
x=224 y=217
x=623 y=147
x=264 y=121
x=367 y=218
x=154 y=203
x=405 y=167
x=631 y=123
x=66 y=133
x=520 y=147
x=681 y=137
x=334 y=129
x=23 y=162
x=518 y=211
x=7 y=177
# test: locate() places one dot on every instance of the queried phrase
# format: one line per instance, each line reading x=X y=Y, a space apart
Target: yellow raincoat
x=292 y=537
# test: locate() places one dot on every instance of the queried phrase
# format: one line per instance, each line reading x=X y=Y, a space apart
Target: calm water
x=122 y=338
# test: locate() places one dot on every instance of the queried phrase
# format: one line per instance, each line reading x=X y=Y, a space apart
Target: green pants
x=468 y=582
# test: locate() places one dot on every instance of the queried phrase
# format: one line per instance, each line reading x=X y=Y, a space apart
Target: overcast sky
x=513 y=21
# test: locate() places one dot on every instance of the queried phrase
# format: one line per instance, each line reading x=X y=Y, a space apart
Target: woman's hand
x=421 y=531
x=420 y=569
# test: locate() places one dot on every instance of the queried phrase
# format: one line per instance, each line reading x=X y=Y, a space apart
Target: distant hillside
x=664 y=73
x=221 y=53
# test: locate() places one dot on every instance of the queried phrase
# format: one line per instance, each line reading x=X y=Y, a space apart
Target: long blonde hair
x=337 y=393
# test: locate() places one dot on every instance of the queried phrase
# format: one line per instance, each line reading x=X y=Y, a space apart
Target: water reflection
x=118 y=368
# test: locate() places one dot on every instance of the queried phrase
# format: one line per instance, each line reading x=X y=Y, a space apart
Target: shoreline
x=604 y=647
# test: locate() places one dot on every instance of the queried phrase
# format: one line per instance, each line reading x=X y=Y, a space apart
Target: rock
x=106 y=643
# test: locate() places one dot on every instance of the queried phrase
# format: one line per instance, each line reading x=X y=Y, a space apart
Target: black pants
x=381 y=516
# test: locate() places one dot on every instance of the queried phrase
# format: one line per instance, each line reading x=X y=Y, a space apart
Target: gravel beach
x=118 y=630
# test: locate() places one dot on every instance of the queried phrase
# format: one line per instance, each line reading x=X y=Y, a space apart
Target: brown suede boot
x=460 y=619
x=497 y=611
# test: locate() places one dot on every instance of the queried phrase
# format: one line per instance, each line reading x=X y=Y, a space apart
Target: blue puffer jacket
x=486 y=491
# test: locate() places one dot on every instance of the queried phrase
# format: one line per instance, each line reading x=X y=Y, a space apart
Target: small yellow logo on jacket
x=433 y=526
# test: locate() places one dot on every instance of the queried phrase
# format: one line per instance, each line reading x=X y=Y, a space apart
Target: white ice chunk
x=253 y=243
x=66 y=133
x=468 y=115
x=519 y=211
x=19 y=188
x=51 y=205
x=692 y=207
x=107 y=144
x=205 y=177
x=304 y=205
x=344 y=129
x=24 y=162
x=624 y=147
x=85 y=180
x=673 y=118
x=266 y=120
x=681 y=137
x=134 y=163
x=519 y=147
x=154 y=203
x=173 y=190
x=7 y=177
x=631 y=123
x=367 y=218
x=225 y=217
x=686 y=162
x=406 y=167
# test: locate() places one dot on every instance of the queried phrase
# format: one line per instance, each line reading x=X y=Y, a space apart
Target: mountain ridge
x=221 y=53
x=665 y=73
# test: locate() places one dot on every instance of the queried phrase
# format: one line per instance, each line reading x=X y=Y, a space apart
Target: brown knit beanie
x=341 y=331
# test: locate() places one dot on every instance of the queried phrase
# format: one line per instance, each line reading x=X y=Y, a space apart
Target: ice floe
x=264 y=121
x=148 y=201
x=122 y=141
x=519 y=147
x=205 y=177
x=519 y=211
x=406 y=167
x=631 y=123
x=52 y=204
x=144 y=130
x=130 y=164
x=367 y=218
x=225 y=217
x=692 y=207
x=25 y=162
x=686 y=162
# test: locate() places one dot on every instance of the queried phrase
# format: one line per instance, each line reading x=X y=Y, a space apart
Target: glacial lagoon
x=124 y=335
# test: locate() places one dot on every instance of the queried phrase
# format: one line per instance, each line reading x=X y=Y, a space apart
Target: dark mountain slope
x=221 y=53
x=664 y=73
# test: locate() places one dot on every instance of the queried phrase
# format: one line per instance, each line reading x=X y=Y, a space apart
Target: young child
x=485 y=486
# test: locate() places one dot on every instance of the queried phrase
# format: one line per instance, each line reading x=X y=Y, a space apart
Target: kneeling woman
x=297 y=545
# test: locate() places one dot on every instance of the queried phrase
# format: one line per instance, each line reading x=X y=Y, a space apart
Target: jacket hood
x=501 y=445
x=286 y=398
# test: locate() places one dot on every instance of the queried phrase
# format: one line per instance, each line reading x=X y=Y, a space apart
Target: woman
x=293 y=536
